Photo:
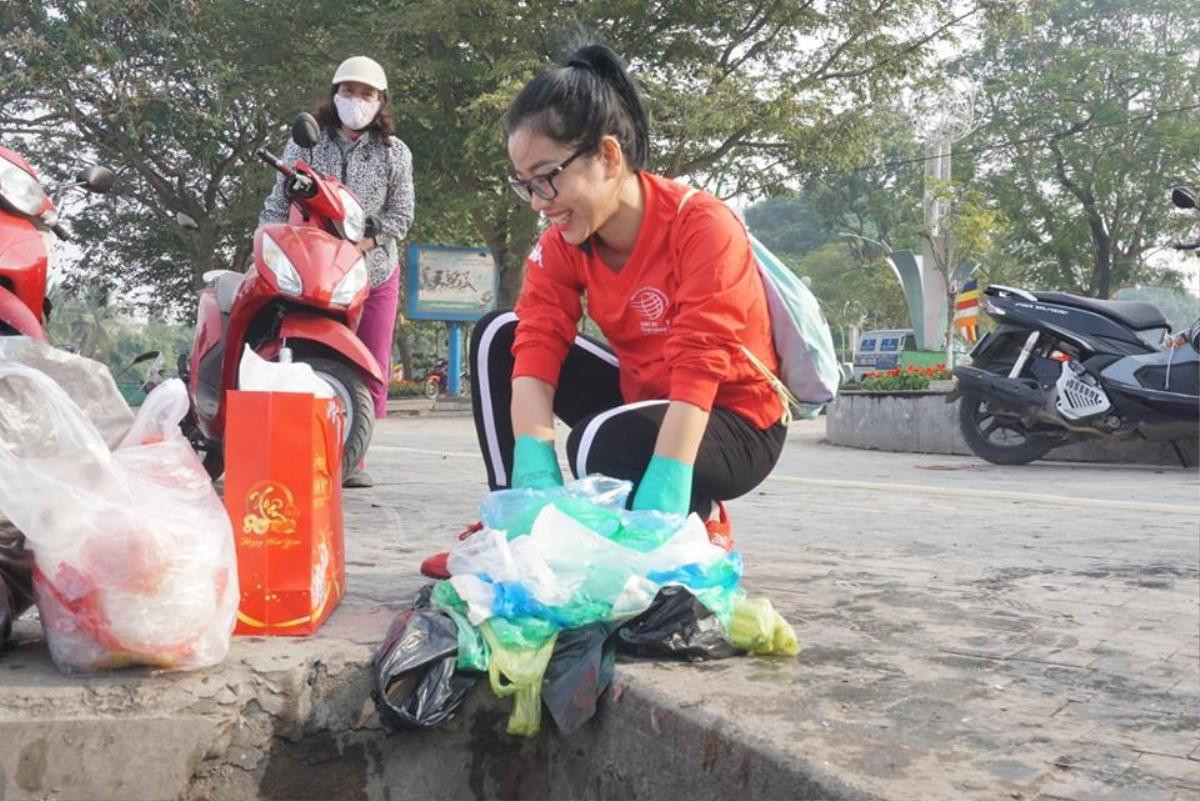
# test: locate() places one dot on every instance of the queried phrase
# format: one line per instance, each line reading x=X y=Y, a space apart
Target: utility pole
x=950 y=117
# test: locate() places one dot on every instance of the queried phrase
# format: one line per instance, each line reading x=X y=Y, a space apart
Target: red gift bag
x=283 y=491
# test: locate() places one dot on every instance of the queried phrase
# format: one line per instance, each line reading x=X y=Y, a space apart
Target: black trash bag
x=580 y=670
x=675 y=626
x=16 y=577
x=424 y=597
x=413 y=679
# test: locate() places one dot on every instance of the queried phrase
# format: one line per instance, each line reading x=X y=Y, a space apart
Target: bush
x=407 y=389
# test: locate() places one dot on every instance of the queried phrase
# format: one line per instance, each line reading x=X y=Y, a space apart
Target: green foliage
x=177 y=97
x=1092 y=117
x=788 y=224
x=88 y=324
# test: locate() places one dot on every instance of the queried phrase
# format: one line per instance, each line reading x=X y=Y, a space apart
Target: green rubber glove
x=535 y=466
x=666 y=486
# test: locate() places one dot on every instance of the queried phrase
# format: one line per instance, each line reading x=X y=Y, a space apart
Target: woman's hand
x=667 y=483
x=666 y=486
x=366 y=243
x=535 y=465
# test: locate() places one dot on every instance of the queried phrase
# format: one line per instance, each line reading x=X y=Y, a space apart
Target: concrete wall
x=922 y=422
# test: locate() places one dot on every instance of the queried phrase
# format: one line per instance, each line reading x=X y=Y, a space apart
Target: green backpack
x=808 y=369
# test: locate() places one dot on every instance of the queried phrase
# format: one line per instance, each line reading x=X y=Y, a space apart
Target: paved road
x=970 y=630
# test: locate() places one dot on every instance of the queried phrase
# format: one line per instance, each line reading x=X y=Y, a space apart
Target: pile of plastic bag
x=133 y=552
x=542 y=598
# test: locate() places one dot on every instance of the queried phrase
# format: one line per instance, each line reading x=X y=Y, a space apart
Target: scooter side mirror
x=145 y=357
x=305 y=131
x=96 y=179
x=1183 y=197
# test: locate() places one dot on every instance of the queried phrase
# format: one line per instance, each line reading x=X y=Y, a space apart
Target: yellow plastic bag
x=756 y=627
x=519 y=672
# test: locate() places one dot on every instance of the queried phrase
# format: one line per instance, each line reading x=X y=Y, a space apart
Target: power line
x=1036 y=138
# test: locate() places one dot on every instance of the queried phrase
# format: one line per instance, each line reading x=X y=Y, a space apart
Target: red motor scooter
x=302 y=300
x=27 y=218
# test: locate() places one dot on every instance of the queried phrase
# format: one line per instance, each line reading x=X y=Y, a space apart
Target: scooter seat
x=227 y=284
x=1137 y=314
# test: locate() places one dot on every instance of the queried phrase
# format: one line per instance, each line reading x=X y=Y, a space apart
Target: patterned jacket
x=379 y=175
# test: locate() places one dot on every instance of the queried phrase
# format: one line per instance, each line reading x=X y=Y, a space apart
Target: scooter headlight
x=355 y=221
x=279 y=264
x=351 y=284
x=20 y=189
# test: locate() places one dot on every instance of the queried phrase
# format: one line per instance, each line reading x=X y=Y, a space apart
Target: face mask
x=354 y=112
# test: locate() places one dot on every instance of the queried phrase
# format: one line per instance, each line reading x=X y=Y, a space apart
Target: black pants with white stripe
x=609 y=436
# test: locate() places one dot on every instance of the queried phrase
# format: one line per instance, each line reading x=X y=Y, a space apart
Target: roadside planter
x=896 y=412
x=913 y=421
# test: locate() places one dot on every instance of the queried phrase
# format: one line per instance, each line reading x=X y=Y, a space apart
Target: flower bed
x=901 y=379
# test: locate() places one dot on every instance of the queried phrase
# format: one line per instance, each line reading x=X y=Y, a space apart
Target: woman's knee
x=614 y=445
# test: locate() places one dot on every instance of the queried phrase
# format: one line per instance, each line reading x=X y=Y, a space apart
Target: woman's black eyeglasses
x=543 y=185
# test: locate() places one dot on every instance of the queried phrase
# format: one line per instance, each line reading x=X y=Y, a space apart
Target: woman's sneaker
x=720 y=533
x=435 y=566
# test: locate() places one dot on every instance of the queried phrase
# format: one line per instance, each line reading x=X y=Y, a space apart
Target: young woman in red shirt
x=671 y=403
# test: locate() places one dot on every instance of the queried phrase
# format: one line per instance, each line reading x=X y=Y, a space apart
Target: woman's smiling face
x=585 y=190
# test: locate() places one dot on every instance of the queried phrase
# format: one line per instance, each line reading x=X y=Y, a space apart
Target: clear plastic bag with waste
x=134 y=558
x=584 y=560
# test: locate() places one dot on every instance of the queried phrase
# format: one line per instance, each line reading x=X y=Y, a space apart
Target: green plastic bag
x=756 y=627
x=519 y=672
x=473 y=652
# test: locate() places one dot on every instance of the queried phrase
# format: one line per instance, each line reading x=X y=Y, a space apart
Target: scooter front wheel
x=350 y=390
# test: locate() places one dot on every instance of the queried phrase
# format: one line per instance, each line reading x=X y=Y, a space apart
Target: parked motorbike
x=28 y=215
x=302 y=299
x=438 y=379
x=1059 y=368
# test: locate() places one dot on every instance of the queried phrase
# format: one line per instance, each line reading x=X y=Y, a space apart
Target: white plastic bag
x=256 y=374
x=86 y=381
x=133 y=551
x=159 y=415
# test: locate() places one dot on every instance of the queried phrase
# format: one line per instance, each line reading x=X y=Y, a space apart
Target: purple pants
x=376 y=330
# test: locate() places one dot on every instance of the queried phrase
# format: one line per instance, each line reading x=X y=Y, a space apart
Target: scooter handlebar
x=271 y=159
x=1181 y=245
x=61 y=232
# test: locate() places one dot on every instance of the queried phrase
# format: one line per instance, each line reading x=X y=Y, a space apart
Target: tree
x=744 y=96
x=176 y=97
x=788 y=224
x=1093 y=116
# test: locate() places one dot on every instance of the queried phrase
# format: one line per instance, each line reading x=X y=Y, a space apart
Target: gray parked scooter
x=1059 y=368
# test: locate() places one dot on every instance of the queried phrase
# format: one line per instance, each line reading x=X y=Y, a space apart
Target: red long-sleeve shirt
x=676 y=314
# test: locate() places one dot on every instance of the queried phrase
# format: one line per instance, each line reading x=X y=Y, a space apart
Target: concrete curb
x=922 y=422
x=306 y=729
x=423 y=407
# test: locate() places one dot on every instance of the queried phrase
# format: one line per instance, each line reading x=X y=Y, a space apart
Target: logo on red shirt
x=651 y=304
